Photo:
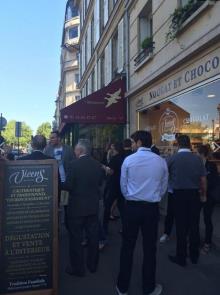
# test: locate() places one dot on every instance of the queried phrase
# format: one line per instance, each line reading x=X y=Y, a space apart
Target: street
x=202 y=279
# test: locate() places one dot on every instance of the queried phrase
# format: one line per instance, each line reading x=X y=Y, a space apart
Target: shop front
x=187 y=102
x=99 y=117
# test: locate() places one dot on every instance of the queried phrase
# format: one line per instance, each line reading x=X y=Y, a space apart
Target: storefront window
x=100 y=135
x=196 y=113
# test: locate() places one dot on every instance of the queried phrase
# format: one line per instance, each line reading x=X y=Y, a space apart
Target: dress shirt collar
x=144 y=149
x=38 y=151
x=83 y=155
x=184 y=150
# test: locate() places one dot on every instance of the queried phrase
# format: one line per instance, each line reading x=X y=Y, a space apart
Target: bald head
x=39 y=142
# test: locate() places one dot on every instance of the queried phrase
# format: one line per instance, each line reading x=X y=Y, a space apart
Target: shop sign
x=201 y=70
x=168 y=125
x=28 y=228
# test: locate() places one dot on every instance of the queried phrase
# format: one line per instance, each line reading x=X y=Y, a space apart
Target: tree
x=44 y=129
x=9 y=134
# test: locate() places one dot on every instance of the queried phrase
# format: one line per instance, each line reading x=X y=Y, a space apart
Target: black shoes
x=175 y=260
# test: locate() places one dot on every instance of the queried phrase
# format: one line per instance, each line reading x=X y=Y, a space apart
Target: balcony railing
x=144 y=53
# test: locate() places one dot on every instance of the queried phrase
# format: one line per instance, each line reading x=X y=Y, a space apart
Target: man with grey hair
x=38 y=144
x=83 y=182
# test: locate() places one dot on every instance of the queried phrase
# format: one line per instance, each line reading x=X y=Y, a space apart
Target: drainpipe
x=127 y=66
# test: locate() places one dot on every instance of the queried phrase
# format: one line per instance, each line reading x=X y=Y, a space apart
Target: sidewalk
x=203 y=279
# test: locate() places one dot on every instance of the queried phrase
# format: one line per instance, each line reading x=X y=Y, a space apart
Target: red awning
x=105 y=106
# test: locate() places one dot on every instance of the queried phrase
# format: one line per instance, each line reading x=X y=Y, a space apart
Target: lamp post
x=218 y=108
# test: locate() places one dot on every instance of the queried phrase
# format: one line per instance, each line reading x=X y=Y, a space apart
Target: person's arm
x=164 y=183
x=124 y=179
x=69 y=179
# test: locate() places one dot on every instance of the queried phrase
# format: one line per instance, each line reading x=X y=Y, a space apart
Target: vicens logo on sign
x=25 y=175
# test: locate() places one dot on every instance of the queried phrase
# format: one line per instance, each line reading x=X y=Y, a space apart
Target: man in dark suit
x=83 y=181
x=38 y=145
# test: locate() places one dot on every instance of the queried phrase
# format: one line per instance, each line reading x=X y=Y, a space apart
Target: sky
x=30 y=39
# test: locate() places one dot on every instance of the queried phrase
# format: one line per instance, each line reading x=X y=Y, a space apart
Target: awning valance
x=105 y=106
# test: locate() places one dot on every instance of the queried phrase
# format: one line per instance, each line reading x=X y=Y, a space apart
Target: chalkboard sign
x=28 y=227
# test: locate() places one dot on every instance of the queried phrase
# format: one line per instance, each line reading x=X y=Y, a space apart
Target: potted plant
x=147 y=43
x=180 y=15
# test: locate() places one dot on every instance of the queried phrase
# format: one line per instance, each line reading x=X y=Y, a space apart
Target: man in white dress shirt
x=144 y=180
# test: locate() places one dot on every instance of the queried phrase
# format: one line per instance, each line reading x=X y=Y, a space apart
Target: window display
x=196 y=113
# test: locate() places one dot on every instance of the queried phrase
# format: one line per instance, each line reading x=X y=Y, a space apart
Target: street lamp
x=218 y=108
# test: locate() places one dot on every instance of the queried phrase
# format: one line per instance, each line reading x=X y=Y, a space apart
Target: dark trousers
x=109 y=201
x=76 y=227
x=208 y=209
x=169 y=220
x=139 y=216
x=187 y=212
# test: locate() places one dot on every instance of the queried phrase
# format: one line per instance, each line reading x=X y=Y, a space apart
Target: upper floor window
x=146 y=44
x=73 y=32
x=145 y=23
x=72 y=11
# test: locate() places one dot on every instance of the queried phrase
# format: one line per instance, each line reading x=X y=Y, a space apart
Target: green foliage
x=44 y=129
x=147 y=43
x=9 y=134
x=180 y=15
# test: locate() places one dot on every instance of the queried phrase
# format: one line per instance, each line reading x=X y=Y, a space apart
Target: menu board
x=28 y=227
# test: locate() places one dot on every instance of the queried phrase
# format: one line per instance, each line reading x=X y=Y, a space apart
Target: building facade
x=102 y=72
x=102 y=43
x=69 y=92
x=174 y=70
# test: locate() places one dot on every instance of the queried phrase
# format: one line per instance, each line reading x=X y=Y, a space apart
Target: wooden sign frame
x=3 y=166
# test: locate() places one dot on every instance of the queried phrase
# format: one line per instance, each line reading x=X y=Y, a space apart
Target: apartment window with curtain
x=145 y=24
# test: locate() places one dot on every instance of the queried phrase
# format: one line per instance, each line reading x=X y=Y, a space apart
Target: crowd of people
x=134 y=178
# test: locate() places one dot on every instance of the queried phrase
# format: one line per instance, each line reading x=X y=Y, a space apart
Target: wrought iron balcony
x=144 y=53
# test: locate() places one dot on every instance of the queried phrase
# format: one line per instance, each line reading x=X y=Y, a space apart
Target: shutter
x=120 y=46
